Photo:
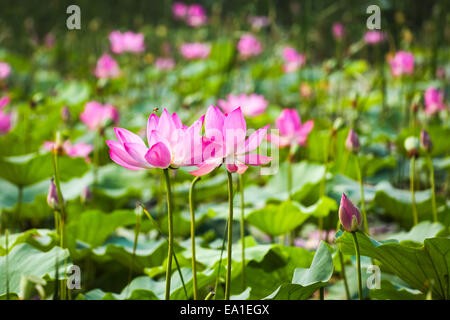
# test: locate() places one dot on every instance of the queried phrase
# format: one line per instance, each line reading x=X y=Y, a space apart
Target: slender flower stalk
x=192 y=210
x=358 y=266
x=241 y=189
x=361 y=188
x=230 y=234
x=427 y=145
x=170 y=229
x=412 y=147
x=135 y=242
x=6 y=260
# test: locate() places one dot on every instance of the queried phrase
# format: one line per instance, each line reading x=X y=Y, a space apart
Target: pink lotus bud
x=349 y=215
x=338 y=30
x=65 y=114
x=425 y=141
x=352 y=142
x=52 y=196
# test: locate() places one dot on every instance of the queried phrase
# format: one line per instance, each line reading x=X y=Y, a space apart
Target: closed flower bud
x=52 y=196
x=349 y=215
x=352 y=142
x=65 y=114
x=412 y=145
x=425 y=141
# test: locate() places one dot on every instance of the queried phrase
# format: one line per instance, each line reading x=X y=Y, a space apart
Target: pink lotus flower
x=259 y=22
x=291 y=129
x=5 y=122
x=352 y=141
x=81 y=149
x=126 y=42
x=195 y=50
x=179 y=10
x=196 y=15
x=107 y=67
x=249 y=46
x=164 y=63
x=4 y=101
x=402 y=63
x=338 y=30
x=434 y=101
x=170 y=143
x=5 y=70
x=293 y=60
x=349 y=215
x=374 y=37
x=96 y=115
x=251 y=105
x=226 y=134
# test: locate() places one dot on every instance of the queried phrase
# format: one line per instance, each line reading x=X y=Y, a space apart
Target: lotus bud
x=352 y=141
x=52 y=196
x=337 y=125
x=86 y=195
x=58 y=148
x=65 y=114
x=349 y=215
x=425 y=141
x=412 y=145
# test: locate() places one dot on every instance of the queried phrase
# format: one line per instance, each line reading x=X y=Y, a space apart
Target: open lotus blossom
x=349 y=215
x=107 y=67
x=96 y=115
x=374 y=37
x=179 y=10
x=80 y=149
x=292 y=60
x=251 y=105
x=162 y=63
x=170 y=143
x=338 y=30
x=402 y=63
x=5 y=122
x=126 y=42
x=5 y=70
x=292 y=131
x=227 y=134
x=196 y=15
x=249 y=46
x=195 y=50
x=4 y=101
x=434 y=101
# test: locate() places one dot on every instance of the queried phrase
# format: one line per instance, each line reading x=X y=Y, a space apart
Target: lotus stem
x=358 y=263
x=241 y=189
x=344 y=276
x=194 y=263
x=230 y=236
x=6 y=263
x=170 y=230
x=433 y=189
x=361 y=186
x=413 y=198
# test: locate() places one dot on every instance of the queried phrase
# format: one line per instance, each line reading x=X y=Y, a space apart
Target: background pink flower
x=402 y=63
x=80 y=149
x=96 y=115
x=4 y=101
x=251 y=105
x=293 y=60
x=5 y=122
x=5 y=70
x=195 y=50
x=373 y=37
x=434 y=101
x=126 y=42
x=179 y=10
x=249 y=46
x=292 y=131
x=338 y=30
x=259 y=22
x=107 y=67
x=196 y=15
x=164 y=63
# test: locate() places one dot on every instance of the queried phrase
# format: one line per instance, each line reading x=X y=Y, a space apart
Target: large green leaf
x=420 y=266
x=25 y=260
x=307 y=280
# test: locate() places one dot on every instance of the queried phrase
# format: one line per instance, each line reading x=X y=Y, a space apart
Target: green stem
x=358 y=262
x=96 y=159
x=344 y=276
x=433 y=190
x=6 y=262
x=191 y=207
x=322 y=293
x=170 y=229
x=230 y=236
x=361 y=186
x=413 y=198
x=241 y=189
x=135 y=242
